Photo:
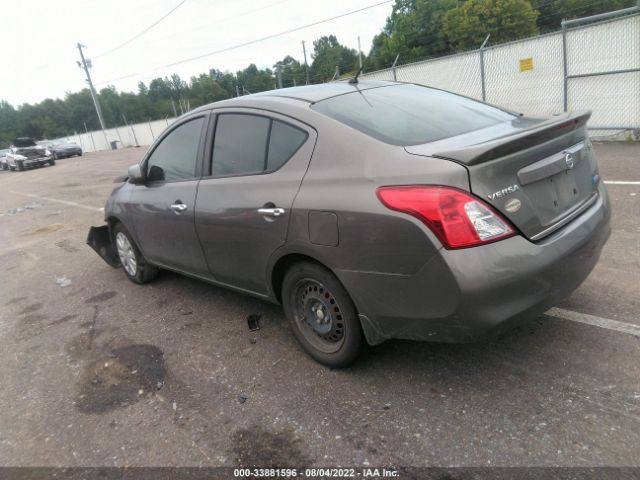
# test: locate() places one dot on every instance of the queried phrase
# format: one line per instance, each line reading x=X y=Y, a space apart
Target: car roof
x=307 y=93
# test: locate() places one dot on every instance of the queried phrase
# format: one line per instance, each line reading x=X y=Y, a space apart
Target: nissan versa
x=369 y=210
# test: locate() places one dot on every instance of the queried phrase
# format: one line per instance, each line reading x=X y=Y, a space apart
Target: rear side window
x=251 y=144
x=176 y=155
x=410 y=114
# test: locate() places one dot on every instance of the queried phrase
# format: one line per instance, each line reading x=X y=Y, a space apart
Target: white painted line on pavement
x=56 y=200
x=618 y=182
x=607 y=323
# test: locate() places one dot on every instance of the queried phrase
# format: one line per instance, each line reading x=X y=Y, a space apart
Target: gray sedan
x=369 y=210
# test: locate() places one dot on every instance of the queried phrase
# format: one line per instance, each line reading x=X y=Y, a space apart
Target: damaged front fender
x=99 y=239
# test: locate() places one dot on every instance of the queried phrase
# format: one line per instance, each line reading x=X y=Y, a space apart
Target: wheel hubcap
x=126 y=254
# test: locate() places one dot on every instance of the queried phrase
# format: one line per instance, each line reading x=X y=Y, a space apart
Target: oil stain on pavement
x=259 y=447
x=101 y=297
x=121 y=378
x=31 y=308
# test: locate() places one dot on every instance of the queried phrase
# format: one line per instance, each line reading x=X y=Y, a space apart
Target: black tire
x=20 y=165
x=5 y=166
x=322 y=315
x=54 y=155
x=144 y=271
x=52 y=162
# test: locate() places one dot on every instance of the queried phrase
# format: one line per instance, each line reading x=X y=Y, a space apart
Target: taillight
x=456 y=217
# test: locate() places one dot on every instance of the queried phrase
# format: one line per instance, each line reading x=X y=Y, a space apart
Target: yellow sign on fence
x=526 y=64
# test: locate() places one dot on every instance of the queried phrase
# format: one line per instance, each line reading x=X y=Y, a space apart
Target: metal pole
x=237 y=91
x=87 y=131
x=393 y=68
x=133 y=130
x=565 y=88
x=484 y=89
x=152 y=135
x=119 y=137
x=306 y=65
x=96 y=103
x=359 y=53
x=279 y=75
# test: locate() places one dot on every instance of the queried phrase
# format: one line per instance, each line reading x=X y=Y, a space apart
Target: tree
x=414 y=30
x=328 y=54
x=468 y=25
x=253 y=80
x=553 y=12
x=293 y=73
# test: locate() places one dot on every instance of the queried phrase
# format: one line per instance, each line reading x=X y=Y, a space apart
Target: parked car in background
x=64 y=149
x=369 y=210
x=25 y=153
x=3 y=159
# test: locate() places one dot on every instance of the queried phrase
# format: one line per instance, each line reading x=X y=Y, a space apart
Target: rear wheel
x=54 y=155
x=20 y=165
x=133 y=263
x=52 y=162
x=5 y=166
x=322 y=315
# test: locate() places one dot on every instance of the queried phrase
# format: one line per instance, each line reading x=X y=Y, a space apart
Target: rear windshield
x=409 y=114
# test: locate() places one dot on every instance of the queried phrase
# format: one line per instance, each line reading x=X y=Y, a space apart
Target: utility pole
x=306 y=65
x=279 y=75
x=359 y=53
x=85 y=66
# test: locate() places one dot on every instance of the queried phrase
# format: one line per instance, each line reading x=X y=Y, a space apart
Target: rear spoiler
x=521 y=140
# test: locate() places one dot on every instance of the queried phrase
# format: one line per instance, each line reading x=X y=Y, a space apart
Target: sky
x=38 y=49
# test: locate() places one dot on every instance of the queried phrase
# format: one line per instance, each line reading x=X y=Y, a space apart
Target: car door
x=243 y=208
x=162 y=209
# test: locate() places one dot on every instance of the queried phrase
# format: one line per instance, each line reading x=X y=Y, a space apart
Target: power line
x=138 y=35
x=251 y=42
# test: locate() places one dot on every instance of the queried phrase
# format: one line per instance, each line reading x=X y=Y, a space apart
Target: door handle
x=178 y=207
x=271 y=212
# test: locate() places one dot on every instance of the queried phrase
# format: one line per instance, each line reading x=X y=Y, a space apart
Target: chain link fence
x=586 y=66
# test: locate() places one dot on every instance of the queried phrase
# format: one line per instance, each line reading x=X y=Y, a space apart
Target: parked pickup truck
x=25 y=153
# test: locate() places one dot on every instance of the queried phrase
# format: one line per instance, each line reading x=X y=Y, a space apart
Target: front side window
x=252 y=144
x=176 y=156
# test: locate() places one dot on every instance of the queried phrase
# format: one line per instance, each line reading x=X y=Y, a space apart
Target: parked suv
x=369 y=210
x=25 y=153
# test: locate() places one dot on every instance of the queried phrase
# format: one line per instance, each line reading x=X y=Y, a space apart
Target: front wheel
x=20 y=165
x=5 y=166
x=322 y=315
x=133 y=263
x=52 y=162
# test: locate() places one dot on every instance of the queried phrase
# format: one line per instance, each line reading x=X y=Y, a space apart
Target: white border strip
x=607 y=323
x=618 y=182
x=56 y=200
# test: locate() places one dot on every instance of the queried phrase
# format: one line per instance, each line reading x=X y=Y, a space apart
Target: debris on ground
x=253 y=321
x=24 y=208
x=63 y=281
x=242 y=398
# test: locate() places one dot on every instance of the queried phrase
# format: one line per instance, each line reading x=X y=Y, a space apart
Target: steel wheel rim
x=319 y=316
x=126 y=254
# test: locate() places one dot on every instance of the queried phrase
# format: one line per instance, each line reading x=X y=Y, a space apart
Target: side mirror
x=135 y=174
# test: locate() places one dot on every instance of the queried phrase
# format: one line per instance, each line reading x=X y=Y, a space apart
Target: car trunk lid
x=540 y=174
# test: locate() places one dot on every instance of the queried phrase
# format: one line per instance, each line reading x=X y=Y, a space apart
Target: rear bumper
x=464 y=295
